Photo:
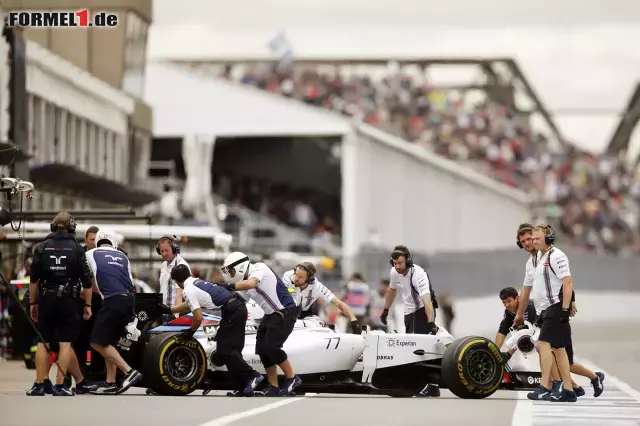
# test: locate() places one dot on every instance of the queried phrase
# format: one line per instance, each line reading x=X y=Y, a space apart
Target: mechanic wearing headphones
x=198 y=295
x=112 y=270
x=280 y=313
x=169 y=248
x=553 y=286
x=419 y=300
x=308 y=289
x=525 y=241
x=59 y=263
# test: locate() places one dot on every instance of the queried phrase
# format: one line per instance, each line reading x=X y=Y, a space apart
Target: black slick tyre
x=472 y=368
x=173 y=366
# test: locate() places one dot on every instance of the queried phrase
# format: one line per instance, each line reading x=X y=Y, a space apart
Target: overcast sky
x=576 y=53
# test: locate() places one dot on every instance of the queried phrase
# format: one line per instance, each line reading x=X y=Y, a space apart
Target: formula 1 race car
x=327 y=361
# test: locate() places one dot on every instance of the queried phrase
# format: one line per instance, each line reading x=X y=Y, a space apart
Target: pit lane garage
x=374 y=362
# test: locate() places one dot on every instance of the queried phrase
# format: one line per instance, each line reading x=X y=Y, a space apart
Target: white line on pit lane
x=619 y=404
x=223 y=421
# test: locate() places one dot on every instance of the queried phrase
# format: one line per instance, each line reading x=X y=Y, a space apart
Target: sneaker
x=36 y=390
x=429 y=391
x=271 y=391
x=556 y=386
x=540 y=394
x=598 y=386
x=104 y=388
x=131 y=378
x=579 y=391
x=290 y=385
x=85 y=387
x=48 y=387
x=564 y=396
x=253 y=384
x=61 y=390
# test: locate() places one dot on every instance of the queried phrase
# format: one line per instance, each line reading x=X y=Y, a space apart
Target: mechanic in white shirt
x=169 y=248
x=198 y=295
x=308 y=290
x=525 y=241
x=419 y=299
x=280 y=314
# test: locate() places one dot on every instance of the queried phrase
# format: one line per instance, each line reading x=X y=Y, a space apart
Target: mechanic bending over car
x=280 y=314
x=308 y=290
x=511 y=300
x=198 y=295
x=112 y=270
x=59 y=263
x=419 y=300
x=524 y=241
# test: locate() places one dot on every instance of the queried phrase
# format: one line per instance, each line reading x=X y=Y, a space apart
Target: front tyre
x=173 y=366
x=472 y=368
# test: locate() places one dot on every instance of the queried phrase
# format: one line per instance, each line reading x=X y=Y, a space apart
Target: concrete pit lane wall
x=399 y=193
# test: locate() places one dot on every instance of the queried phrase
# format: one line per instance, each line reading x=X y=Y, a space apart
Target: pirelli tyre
x=173 y=366
x=472 y=368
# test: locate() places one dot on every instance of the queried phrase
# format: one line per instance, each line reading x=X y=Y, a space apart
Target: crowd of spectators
x=593 y=199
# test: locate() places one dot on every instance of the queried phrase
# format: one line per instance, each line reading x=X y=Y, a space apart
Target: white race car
x=327 y=361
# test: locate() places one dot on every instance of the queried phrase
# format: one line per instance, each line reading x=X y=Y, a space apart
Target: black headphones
x=311 y=276
x=71 y=227
x=173 y=240
x=550 y=236
x=407 y=256
x=524 y=229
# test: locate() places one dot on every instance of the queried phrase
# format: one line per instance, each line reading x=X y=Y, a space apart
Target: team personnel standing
x=272 y=295
x=59 y=263
x=308 y=290
x=112 y=270
x=198 y=295
x=169 y=248
x=418 y=296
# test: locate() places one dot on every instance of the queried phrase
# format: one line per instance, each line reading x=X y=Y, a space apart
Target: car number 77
x=329 y=339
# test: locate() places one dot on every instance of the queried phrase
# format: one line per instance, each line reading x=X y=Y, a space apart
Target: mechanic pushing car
x=419 y=300
x=511 y=301
x=112 y=270
x=264 y=286
x=198 y=295
x=524 y=241
x=59 y=264
x=308 y=290
x=169 y=248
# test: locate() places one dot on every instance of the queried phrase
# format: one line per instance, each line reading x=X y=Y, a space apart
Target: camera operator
x=59 y=263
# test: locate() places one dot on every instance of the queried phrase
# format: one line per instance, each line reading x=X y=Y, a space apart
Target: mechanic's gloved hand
x=355 y=326
x=433 y=328
x=565 y=314
x=506 y=356
x=164 y=308
x=187 y=334
x=383 y=317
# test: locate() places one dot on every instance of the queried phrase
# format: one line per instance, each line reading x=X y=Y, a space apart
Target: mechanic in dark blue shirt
x=511 y=300
x=198 y=295
x=113 y=274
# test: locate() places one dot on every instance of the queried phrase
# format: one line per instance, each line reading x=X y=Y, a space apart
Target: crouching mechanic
x=419 y=300
x=511 y=301
x=272 y=295
x=199 y=295
x=113 y=274
x=308 y=289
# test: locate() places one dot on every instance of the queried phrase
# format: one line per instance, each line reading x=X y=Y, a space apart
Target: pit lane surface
x=614 y=349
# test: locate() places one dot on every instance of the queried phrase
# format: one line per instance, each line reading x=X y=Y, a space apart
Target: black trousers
x=230 y=342
x=416 y=322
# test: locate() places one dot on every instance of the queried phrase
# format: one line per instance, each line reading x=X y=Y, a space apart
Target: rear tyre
x=173 y=366
x=472 y=368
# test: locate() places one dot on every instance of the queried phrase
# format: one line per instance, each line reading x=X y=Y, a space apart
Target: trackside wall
x=407 y=195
